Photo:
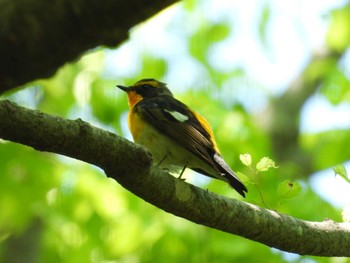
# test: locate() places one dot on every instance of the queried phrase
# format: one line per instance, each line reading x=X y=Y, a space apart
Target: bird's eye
x=146 y=86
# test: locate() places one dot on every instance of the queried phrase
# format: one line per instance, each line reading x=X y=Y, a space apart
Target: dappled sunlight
x=271 y=77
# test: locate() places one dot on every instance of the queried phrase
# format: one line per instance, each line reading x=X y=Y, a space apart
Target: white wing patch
x=178 y=116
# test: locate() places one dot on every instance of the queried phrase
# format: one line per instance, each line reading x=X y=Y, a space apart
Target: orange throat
x=133 y=99
x=135 y=122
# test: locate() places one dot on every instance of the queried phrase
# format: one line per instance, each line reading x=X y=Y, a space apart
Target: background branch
x=80 y=140
x=282 y=117
x=37 y=37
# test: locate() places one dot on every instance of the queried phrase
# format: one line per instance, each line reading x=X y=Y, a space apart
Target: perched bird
x=176 y=136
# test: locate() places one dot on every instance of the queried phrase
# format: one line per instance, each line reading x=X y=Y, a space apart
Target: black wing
x=174 y=119
x=188 y=132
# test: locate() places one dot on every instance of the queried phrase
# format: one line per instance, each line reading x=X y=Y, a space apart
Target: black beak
x=123 y=88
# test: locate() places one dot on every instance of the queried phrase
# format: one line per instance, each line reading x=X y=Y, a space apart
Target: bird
x=177 y=136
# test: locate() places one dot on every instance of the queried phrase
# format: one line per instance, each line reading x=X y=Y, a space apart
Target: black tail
x=229 y=175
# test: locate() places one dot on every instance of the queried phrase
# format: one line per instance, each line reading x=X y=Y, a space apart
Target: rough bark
x=80 y=140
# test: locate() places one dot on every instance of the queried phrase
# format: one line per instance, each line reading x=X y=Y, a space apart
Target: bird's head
x=148 y=88
x=145 y=88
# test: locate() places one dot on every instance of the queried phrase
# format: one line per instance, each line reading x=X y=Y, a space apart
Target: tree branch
x=37 y=37
x=80 y=140
x=282 y=117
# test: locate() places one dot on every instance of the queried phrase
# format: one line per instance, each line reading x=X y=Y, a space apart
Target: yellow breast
x=136 y=124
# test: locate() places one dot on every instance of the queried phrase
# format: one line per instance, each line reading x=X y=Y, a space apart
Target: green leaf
x=218 y=32
x=264 y=19
x=341 y=171
x=336 y=86
x=288 y=189
x=338 y=36
x=211 y=33
x=246 y=159
x=265 y=163
x=153 y=66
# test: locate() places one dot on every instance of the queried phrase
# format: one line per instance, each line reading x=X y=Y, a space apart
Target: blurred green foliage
x=85 y=217
x=338 y=37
